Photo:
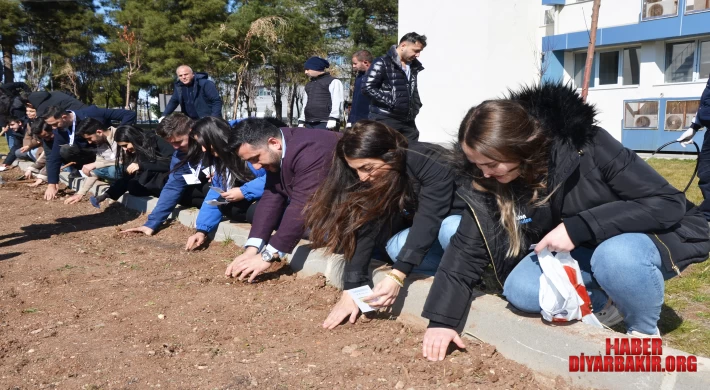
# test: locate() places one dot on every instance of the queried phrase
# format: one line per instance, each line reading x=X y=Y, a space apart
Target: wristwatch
x=268 y=256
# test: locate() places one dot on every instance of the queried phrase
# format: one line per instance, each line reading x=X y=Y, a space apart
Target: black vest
x=319 y=102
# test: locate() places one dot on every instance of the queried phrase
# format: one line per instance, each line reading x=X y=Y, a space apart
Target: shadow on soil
x=112 y=215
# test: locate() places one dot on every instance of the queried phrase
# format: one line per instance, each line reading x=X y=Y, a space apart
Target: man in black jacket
x=360 y=107
x=69 y=148
x=322 y=98
x=196 y=95
x=391 y=84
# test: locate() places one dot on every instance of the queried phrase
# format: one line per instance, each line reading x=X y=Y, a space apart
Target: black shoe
x=75 y=174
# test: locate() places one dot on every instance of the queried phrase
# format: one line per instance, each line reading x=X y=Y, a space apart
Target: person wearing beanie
x=323 y=97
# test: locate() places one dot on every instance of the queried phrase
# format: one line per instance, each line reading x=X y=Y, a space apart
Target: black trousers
x=77 y=155
x=242 y=211
x=406 y=128
x=320 y=125
x=194 y=195
x=131 y=185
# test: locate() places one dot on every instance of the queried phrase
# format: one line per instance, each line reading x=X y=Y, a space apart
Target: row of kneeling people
x=528 y=169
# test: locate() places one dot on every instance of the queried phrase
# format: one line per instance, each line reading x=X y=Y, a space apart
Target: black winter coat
x=433 y=187
x=391 y=93
x=604 y=190
x=42 y=100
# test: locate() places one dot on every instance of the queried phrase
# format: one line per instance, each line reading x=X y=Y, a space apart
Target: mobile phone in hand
x=219 y=190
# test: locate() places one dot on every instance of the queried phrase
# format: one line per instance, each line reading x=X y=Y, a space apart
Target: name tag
x=191 y=179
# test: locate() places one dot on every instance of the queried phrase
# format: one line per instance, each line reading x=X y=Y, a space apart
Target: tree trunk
x=7 y=49
x=291 y=98
x=590 y=49
x=278 y=105
x=128 y=92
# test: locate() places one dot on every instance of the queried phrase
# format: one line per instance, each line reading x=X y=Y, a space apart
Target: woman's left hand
x=385 y=292
x=556 y=241
x=132 y=168
x=233 y=195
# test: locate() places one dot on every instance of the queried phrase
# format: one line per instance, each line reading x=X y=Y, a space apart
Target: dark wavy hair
x=343 y=204
x=144 y=143
x=213 y=134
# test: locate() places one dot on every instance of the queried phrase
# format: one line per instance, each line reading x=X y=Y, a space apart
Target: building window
x=580 y=60
x=659 y=8
x=680 y=113
x=641 y=115
x=696 y=6
x=687 y=61
x=631 y=67
x=618 y=67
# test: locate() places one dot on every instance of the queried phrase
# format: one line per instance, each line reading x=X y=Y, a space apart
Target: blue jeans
x=431 y=261
x=28 y=155
x=107 y=173
x=626 y=268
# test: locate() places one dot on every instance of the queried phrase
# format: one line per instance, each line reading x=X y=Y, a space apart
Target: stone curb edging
x=523 y=338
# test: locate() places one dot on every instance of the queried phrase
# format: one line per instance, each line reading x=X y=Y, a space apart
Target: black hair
x=14 y=119
x=213 y=134
x=55 y=112
x=39 y=126
x=413 y=37
x=253 y=131
x=144 y=143
x=363 y=55
x=89 y=126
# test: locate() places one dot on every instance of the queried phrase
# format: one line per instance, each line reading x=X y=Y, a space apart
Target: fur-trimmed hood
x=560 y=110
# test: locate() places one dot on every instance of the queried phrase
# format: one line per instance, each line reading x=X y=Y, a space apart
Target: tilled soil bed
x=85 y=307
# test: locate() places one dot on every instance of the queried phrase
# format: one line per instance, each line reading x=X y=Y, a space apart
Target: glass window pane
x=632 y=67
x=641 y=115
x=679 y=62
x=580 y=60
x=659 y=8
x=609 y=68
x=696 y=5
x=680 y=113
x=704 y=59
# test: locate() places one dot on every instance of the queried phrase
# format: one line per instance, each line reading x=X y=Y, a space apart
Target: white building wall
x=475 y=51
x=609 y=100
x=576 y=17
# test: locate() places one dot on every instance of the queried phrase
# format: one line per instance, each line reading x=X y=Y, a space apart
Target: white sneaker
x=609 y=315
x=644 y=335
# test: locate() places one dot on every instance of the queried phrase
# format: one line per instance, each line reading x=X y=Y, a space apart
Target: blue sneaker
x=94 y=202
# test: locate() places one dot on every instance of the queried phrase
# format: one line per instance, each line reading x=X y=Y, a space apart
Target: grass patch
x=4 y=149
x=685 y=318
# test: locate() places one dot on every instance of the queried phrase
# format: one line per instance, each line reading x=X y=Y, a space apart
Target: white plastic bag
x=563 y=296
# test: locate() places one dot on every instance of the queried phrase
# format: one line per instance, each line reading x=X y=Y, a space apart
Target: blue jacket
x=170 y=194
x=207 y=101
x=702 y=118
x=360 y=107
x=210 y=216
x=61 y=136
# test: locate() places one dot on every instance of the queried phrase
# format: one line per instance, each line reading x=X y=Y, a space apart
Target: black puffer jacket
x=391 y=93
x=605 y=190
x=433 y=187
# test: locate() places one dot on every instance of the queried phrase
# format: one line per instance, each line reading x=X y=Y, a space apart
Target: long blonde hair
x=503 y=131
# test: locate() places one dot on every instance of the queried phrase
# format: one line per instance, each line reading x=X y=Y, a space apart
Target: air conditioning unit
x=661 y=8
x=646 y=121
x=674 y=122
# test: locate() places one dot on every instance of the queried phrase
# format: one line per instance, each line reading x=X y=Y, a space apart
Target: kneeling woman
x=144 y=160
x=236 y=185
x=380 y=190
x=542 y=173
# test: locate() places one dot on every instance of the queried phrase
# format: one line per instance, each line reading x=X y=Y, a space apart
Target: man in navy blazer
x=297 y=160
x=68 y=148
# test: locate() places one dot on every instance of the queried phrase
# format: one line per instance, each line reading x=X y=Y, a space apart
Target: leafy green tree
x=11 y=20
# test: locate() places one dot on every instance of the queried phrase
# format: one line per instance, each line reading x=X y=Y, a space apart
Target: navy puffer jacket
x=391 y=93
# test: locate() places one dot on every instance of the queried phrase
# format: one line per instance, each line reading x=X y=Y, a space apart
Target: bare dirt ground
x=84 y=307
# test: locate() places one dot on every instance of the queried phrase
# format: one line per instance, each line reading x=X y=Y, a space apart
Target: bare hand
x=385 y=292
x=24 y=149
x=233 y=195
x=142 y=229
x=556 y=241
x=73 y=199
x=345 y=307
x=88 y=168
x=195 y=240
x=249 y=263
x=51 y=191
x=132 y=168
x=35 y=184
x=436 y=342
x=28 y=174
